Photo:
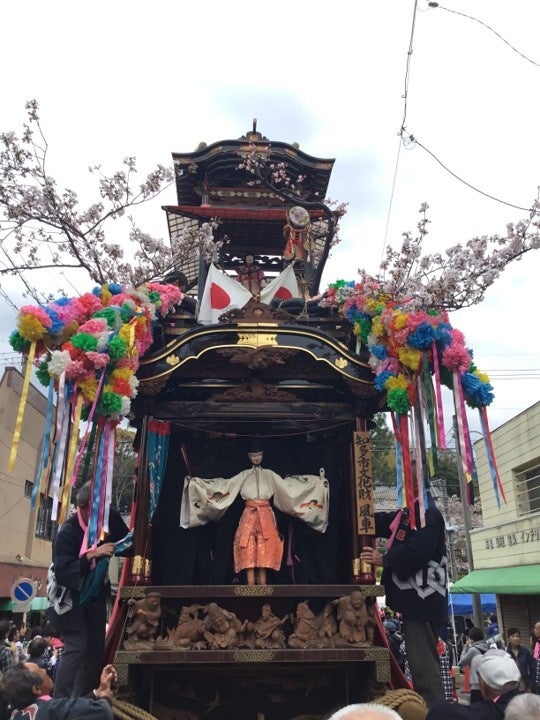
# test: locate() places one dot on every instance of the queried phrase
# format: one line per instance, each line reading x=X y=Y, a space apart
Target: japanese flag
x=283 y=287
x=221 y=294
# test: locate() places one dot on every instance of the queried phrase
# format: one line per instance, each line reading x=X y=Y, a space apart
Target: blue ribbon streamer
x=46 y=446
x=158 y=450
x=93 y=582
x=491 y=460
x=96 y=495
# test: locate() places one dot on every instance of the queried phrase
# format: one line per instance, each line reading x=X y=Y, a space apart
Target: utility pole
x=478 y=618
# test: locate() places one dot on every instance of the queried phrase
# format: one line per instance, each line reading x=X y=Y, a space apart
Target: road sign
x=23 y=591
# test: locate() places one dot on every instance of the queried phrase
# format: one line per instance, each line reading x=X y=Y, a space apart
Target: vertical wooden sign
x=363 y=479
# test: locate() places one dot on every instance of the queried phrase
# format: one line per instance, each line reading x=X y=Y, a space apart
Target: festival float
x=235 y=605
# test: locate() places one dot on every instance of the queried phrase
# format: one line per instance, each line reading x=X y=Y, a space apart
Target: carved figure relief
x=144 y=615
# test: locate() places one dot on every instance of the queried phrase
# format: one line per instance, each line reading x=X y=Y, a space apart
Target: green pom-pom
x=116 y=348
x=84 y=341
x=110 y=402
x=42 y=373
x=365 y=328
x=126 y=313
x=18 y=343
x=154 y=297
x=108 y=314
x=398 y=400
x=85 y=412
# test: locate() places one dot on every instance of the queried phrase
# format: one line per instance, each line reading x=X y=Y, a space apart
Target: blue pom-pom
x=381 y=379
x=423 y=337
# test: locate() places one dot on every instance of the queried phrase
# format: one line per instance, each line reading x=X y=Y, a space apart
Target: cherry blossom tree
x=258 y=161
x=460 y=276
x=44 y=226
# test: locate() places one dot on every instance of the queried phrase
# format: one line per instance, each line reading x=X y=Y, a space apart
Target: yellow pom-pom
x=106 y=295
x=122 y=373
x=397 y=383
x=30 y=328
x=88 y=388
x=482 y=376
x=400 y=320
x=377 y=327
x=410 y=357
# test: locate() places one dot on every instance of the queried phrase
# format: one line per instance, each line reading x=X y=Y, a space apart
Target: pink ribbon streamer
x=419 y=476
x=394 y=525
x=459 y=418
x=110 y=449
x=490 y=454
x=438 y=396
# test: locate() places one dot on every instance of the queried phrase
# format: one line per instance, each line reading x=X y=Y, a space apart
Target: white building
x=506 y=550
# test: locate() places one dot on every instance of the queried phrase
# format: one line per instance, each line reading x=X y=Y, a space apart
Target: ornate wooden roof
x=216 y=166
x=251 y=216
x=262 y=368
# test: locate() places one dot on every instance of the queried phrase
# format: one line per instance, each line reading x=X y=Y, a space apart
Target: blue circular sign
x=23 y=591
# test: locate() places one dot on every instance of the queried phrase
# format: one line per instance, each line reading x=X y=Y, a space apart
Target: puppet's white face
x=255 y=457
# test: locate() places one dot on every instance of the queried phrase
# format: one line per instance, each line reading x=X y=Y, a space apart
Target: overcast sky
x=145 y=79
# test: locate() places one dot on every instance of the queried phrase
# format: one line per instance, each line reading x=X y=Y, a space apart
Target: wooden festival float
x=281 y=365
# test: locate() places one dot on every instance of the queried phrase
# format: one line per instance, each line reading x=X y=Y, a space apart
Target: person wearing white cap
x=365 y=711
x=498 y=678
x=523 y=707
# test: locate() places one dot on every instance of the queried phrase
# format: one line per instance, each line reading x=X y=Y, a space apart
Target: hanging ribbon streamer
x=59 y=456
x=73 y=443
x=425 y=391
x=438 y=395
x=183 y=450
x=461 y=432
x=92 y=585
x=126 y=542
x=407 y=473
x=45 y=447
x=90 y=427
x=493 y=470
x=22 y=405
x=419 y=475
x=467 y=461
x=158 y=451
x=468 y=447
x=110 y=451
x=399 y=462
x=92 y=532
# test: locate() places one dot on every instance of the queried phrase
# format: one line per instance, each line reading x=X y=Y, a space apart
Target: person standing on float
x=257 y=545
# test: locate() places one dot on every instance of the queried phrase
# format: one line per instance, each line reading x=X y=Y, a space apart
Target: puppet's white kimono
x=257 y=543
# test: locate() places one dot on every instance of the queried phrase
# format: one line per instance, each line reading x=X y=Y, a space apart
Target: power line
x=408 y=68
x=488 y=27
x=403 y=121
x=411 y=141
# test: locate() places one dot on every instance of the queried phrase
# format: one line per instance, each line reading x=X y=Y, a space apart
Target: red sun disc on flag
x=283 y=293
x=219 y=298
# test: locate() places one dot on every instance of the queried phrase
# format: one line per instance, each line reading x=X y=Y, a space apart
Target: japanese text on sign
x=363 y=477
x=513 y=538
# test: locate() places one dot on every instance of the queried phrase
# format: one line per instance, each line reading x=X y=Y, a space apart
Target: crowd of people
x=55 y=670
x=38 y=644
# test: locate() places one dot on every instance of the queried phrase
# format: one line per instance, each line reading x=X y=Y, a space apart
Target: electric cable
x=488 y=27
x=411 y=141
x=402 y=129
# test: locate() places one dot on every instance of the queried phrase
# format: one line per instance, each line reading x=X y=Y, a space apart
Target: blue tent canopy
x=462 y=603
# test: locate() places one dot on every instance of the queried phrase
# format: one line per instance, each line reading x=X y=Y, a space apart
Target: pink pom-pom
x=94 y=327
x=98 y=360
x=38 y=313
